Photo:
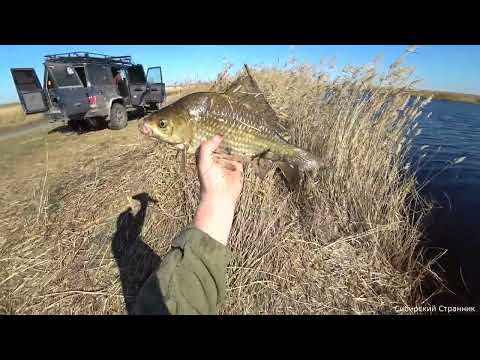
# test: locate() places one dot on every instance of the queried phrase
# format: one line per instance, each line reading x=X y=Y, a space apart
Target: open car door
x=29 y=90
x=155 y=86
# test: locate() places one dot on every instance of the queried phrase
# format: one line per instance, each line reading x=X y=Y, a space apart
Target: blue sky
x=450 y=68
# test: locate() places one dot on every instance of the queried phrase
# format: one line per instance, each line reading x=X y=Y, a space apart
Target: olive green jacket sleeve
x=190 y=279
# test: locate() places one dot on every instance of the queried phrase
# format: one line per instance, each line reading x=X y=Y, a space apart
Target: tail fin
x=294 y=168
x=307 y=161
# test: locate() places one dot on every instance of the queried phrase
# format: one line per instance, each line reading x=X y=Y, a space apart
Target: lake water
x=451 y=132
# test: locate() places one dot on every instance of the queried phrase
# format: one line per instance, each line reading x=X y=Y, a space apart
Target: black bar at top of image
x=239 y=23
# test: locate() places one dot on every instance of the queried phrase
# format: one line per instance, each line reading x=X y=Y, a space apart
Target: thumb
x=211 y=145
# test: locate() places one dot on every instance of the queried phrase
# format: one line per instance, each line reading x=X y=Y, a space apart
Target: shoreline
x=450 y=96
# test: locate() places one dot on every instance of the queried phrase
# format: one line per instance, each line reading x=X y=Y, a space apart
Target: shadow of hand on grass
x=135 y=259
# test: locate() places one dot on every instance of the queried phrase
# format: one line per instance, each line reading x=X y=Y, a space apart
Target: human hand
x=221 y=182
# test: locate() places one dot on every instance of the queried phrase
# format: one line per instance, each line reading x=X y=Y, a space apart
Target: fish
x=251 y=133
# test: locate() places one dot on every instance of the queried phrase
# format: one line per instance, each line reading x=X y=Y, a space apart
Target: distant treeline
x=445 y=95
x=437 y=95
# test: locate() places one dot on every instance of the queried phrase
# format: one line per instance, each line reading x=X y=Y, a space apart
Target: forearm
x=214 y=216
x=190 y=279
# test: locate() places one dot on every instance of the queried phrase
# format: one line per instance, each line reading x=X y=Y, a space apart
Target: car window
x=137 y=74
x=65 y=75
x=81 y=74
x=154 y=75
x=99 y=74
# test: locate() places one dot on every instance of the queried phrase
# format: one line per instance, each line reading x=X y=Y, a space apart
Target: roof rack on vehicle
x=83 y=56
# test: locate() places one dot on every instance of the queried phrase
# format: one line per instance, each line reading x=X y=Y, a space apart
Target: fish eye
x=162 y=124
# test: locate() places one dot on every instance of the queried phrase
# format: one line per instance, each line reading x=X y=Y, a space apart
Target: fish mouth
x=145 y=129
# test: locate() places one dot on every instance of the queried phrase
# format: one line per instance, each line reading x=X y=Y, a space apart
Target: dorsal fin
x=246 y=91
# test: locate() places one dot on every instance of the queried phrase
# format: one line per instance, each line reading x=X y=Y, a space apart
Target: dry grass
x=12 y=115
x=346 y=243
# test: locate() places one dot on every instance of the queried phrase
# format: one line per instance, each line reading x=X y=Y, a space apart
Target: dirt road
x=20 y=130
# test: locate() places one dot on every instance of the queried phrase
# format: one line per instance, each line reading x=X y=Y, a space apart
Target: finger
x=208 y=147
x=237 y=165
x=225 y=164
x=206 y=150
x=233 y=164
x=222 y=155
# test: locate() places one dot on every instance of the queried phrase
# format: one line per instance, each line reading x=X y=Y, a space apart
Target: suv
x=90 y=87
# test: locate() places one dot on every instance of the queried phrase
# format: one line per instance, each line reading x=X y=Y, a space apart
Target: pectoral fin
x=262 y=167
x=184 y=157
x=181 y=157
x=291 y=174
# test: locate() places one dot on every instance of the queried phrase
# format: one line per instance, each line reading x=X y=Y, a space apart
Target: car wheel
x=118 y=117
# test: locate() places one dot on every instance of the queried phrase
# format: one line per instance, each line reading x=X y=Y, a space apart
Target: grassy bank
x=445 y=95
x=75 y=241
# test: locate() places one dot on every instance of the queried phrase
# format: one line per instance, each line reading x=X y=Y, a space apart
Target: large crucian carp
x=241 y=114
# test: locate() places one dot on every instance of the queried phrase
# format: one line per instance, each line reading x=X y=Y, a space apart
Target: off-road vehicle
x=89 y=87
